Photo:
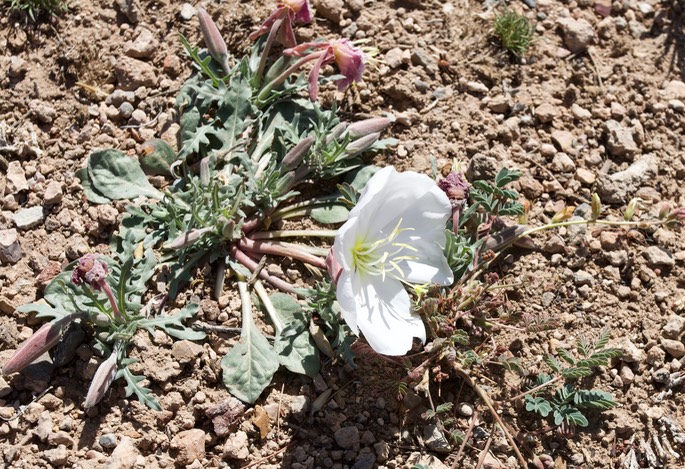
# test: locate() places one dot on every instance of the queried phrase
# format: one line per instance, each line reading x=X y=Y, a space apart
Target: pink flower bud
x=333 y=266
x=40 y=342
x=294 y=157
x=104 y=376
x=362 y=144
x=91 y=271
x=213 y=40
x=188 y=238
x=368 y=126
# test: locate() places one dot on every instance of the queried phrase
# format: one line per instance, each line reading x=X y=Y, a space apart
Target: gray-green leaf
x=330 y=214
x=116 y=176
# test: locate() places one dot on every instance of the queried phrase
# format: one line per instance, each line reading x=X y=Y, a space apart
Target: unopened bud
x=294 y=157
x=333 y=266
x=213 y=40
x=664 y=210
x=677 y=214
x=104 y=376
x=228 y=229
x=362 y=144
x=630 y=210
x=563 y=214
x=504 y=237
x=596 y=206
x=335 y=133
x=40 y=342
x=286 y=182
x=204 y=172
x=367 y=126
x=188 y=238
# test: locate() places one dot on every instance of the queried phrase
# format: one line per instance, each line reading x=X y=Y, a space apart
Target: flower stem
x=284 y=76
x=267 y=247
x=294 y=233
x=246 y=308
x=269 y=306
x=535 y=389
x=297 y=207
x=112 y=301
x=251 y=265
x=265 y=52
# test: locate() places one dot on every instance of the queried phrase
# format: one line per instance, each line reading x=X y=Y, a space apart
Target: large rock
x=618 y=187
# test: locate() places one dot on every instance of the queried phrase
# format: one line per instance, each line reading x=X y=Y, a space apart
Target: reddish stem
x=251 y=265
x=266 y=247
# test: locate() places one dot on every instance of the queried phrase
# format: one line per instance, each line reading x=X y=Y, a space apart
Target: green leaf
x=44 y=310
x=568 y=358
x=296 y=349
x=173 y=324
x=330 y=214
x=552 y=362
x=132 y=386
x=507 y=176
x=358 y=179
x=157 y=158
x=594 y=399
x=538 y=404
x=116 y=176
x=571 y=415
x=249 y=366
x=573 y=373
x=91 y=193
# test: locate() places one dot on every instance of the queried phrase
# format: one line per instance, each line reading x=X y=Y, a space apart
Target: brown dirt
x=456 y=95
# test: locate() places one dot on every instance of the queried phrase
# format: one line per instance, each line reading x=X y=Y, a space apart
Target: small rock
x=53 y=193
x=365 y=461
x=107 y=215
x=677 y=105
x=236 y=447
x=330 y=9
x=347 y=437
x=185 y=351
x=578 y=34
x=108 y=441
x=394 y=57
x=657 y=256
x=674 y=327
x=618 y=187
x=420 y=58
x=56 y=457
x=368 y=438
x=18 y=67
x=119 y=97
x=476 y=87
x=675 y=348
x=580 y=113
x=382 y=450
x=627 y=375
x=10 y=249
x=43 y=427
x=585 y=176
x=583 y=278
x=656 y=356
x=673 y=90
x=546 y=112
x=435 y=440
x=144 y=46
x=125 y=110
x=563 y=163
x=29 y=218
x=554 y=244
x=620 y=139
x=564 y=140
x=43 y=111
x=190 y=446
x=5 y=388
x=187 y=11
x=124 y=455
x=133 y=73
x=16 y=179
x=631 y=354
x=465 y=409
x=60 y=438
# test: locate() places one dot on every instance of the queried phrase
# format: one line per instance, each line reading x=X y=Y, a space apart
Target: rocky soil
x=597 y=105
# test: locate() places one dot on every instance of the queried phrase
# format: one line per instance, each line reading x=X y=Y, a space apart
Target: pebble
x=236 y=446
x=580 y=113
x=190 y=445
x=29 y=218
x=421 y=58
x=133 y=73
x=555 y=244
x=56 y=457
x=144 y=46
x=578 y=34
x=674 y=327
x=631 y=354
x=546 y=112
x=347 y=437
x=617 y=187
x=119 y=97
x=125 y=110
x=657 y=256
x=394 y=57
x=585 y=176
x=382 y=450
x=60 y=438
x=10 y=249
x=435 y=440
x=18 y=67
x=43 y=427
x=187 y=11
x=465 y=409
x=107 y=215
x=123 y=456
x=656 y=356
x=53 y=193
x=583 y=278
x=620 y=139
x=673 y=90
x=330 y=9
x=675 y=348
x=627 y=375
x=16 y=178
x=563 y=163
x=564 y=140
x=185 y=351
x=476 y=87
x=43 y=112
x=108 y=441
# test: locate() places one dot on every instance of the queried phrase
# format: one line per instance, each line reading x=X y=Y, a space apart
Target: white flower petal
x=382 y=311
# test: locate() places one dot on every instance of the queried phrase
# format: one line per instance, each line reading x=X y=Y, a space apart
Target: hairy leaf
x=117 y=177
x=538 y=405
x=173 y=324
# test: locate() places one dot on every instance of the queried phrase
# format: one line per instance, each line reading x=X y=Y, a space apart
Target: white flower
x=393 y=236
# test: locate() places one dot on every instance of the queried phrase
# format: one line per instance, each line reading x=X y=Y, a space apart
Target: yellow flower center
x=382 y=256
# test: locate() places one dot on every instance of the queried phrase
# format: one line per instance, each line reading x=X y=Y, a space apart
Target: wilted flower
x=348 y=58
x=40 y=342
x=457 y=189
x=289 y=11
x=394 y=236
x=104 y=376
x=90 y=270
